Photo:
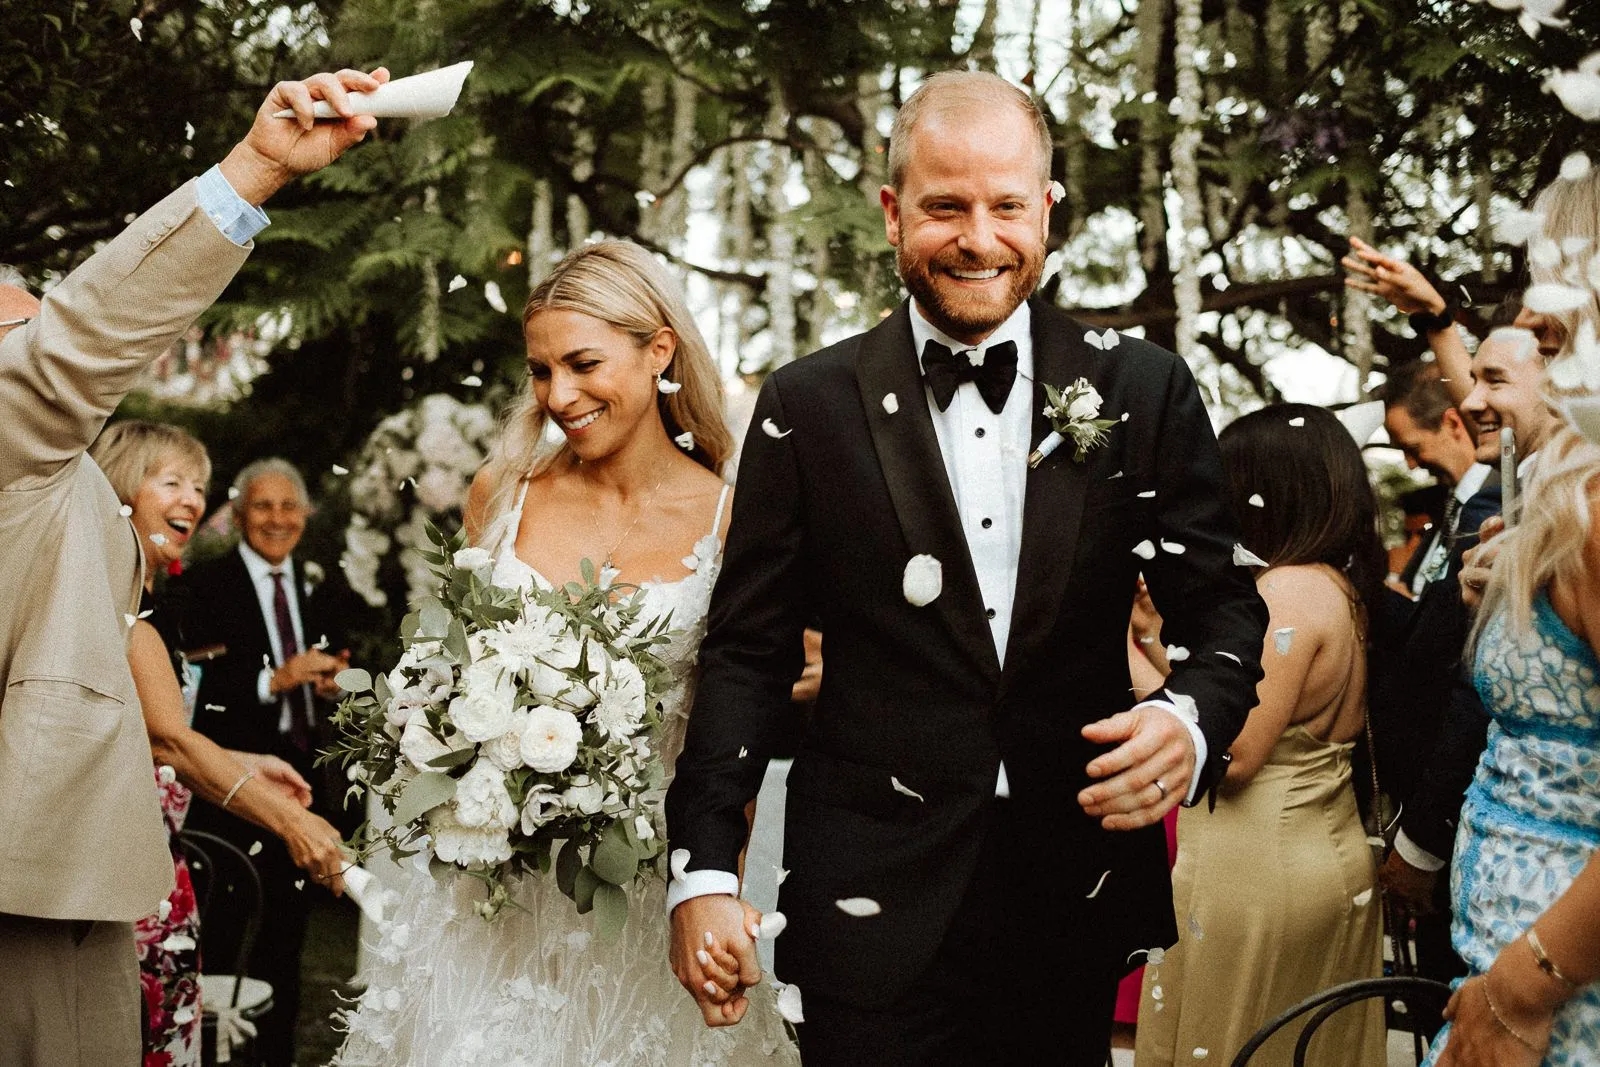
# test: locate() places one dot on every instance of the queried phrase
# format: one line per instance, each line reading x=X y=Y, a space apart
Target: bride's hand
x=717 y=926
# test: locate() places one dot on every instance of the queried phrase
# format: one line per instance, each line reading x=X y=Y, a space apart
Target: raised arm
x=1411 y=293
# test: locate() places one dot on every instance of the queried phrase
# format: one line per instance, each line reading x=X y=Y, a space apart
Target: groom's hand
x=1151 y=744
x=714 y=954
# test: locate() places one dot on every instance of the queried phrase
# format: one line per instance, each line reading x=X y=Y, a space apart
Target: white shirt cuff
x=1195 y=735
x=1416 y=855
x=701 y=884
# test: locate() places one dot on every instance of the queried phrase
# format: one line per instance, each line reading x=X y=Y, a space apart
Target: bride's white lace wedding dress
x=535 y=987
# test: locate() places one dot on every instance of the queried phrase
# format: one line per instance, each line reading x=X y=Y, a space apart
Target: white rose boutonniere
x=1073 y=413
x=312 y=576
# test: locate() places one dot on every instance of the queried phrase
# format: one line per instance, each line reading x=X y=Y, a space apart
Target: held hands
x=1478 y=563
x=312 y=667
x=1152 y=744
x=714 y=954
x=275 y=151
x=324 y=685
x=1395 y=280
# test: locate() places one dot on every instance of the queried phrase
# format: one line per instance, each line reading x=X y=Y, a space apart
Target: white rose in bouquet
x=482 y=801
x=620 y=706
x=550 y=740
x=584 y=795
x=540 y=805
x=405 y=704
x=488 y=697
x=466 y=845
x=470 y=559
x=505 y=751
x=419 y=745
x=521 y=645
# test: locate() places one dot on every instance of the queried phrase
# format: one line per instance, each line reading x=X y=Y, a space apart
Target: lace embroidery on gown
x=536 y=987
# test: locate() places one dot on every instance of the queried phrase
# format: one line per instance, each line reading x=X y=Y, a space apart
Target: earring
x=665 y=386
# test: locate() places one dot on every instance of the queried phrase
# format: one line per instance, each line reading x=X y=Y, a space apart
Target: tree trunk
x=1149 y=25
x=428 y=313
x=1186 y=180
x=542 y=251
x=780 y=244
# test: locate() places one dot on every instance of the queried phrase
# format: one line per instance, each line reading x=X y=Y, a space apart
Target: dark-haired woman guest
x=1274 y=890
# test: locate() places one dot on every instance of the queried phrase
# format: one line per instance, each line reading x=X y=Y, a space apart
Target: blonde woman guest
x=619 y=371
x=1274 y=890
x=160 y=474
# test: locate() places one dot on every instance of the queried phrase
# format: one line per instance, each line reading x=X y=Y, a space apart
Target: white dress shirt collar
x=260 y=570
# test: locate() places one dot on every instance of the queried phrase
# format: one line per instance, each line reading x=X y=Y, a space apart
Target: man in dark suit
x=252 y=619
x=971 y=774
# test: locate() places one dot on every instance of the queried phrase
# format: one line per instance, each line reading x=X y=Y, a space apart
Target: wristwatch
x=1424 y=322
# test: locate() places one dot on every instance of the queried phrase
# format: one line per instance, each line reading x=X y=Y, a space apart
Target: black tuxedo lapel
x=913 y=468
x=1053 y=502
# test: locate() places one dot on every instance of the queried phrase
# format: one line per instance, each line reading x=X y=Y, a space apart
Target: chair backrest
x=224 y=878
x=1415 y=993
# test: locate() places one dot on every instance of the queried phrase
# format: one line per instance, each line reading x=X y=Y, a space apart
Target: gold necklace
x=612 y=551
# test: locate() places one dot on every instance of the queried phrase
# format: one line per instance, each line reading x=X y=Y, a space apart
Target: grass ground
x=326 y=967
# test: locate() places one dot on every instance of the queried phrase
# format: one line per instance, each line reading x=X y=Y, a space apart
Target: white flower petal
x=1125 y=415
x=1362 y=899
x=773 y=923
x=1578 y=90
x=679 y=861
x=685 y=441
x=1282 y=639
x=1543 y=252
x=458 y=282
x=1095 y=340
x=126 y=511
x=339 y=470
x=1102 y=881
x=166 y=775
x=1177 y=653
x=1553 y=298
x=1114 y=476
x=472 y=381
x=782 y=874
x=891 y=403
x=1243 y=557
x=1230 y=655
x=188 y=131
x=491 y=293
x=1145 y=550
x=903 y=789
x=137 y=26
x=129 y=619
x=922 y=581
x=1255 y=501
x=789 y=1005
x=1111 y=338
x=1297 y=421
x=770 y=428
x=1201 y=1053
x=1148 y=494
x=163 y=910
x=1156 y=956
x=859 y=907
x=1574 y=245
x=255 y=848
x=743 y=752
x=1185 y=705
x=1517 y=227
x=1156 y=993
x=1173 y=547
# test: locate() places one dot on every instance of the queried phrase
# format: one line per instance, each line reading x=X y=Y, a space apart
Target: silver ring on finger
x=1162 y=788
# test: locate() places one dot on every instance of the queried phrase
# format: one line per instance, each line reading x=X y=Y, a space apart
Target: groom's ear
x=891 y=213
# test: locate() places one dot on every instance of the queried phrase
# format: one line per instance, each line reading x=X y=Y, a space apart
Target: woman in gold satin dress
x=1275 y=890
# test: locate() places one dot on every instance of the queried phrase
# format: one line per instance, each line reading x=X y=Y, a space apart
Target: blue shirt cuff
x=238 y=220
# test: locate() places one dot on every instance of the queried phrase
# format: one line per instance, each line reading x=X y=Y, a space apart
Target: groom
x=973 y=836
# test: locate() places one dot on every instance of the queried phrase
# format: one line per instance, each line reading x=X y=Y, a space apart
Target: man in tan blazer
x=83 y=853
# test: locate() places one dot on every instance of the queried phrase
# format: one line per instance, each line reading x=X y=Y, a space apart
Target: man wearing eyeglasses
x=83 y=852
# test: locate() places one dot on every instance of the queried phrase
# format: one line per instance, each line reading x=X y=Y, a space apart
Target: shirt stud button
x=987 y=523
x=988 y=613
x=979 y=432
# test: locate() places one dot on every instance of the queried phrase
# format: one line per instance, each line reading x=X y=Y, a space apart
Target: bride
x=634 y=482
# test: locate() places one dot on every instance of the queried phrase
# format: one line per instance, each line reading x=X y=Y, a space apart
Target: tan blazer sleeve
x=63 y=374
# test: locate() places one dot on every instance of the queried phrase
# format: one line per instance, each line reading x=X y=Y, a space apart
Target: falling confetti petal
x=1230 y=655
x=1148 y=494
x=859 y=907
x=1114 y=476
x=1255 y=501
x=1156 y=956
x=255 y=848
x=1173 y=547
x=491 y=293
x=129 y=619
x=975 y=356
x=1185 y=705
x=1177 y=653
x=233 y=492
x=137 y=26
x=1096 y=890
x=773 y=923
x=770 y=428
x=300 y=883
x=679 y=861
x=458 y=282
x=1575 y=167
x=922 y=580
x=1282 y=638
x=166 y=775
x=789 y=1004
x=1156 y=993
x=1243 y=557
x=216 y=707
x=782 y=874
x=1517 y=227
x=163 y=910
x=188 y=131
x=158 y=539
x=1144 y=550
x=1551 y=298
x=1362 y=899
x=743 y=752
x=1105 y=341
x=339 y=470
x=685 y=441
x=891 y=403
x=472 y=381
x=1201 y=1053
x=904 y=790
x=1543 y=252
x=644 y=197
x=1297 y=421
x=125 y=511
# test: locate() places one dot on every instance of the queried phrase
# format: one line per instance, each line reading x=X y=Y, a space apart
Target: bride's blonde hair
x=625 y=287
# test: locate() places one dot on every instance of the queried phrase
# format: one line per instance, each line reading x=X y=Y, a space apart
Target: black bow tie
x=945 y=370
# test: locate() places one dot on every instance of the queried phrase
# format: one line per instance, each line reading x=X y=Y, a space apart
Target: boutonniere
x=1072 y=413
x=314 y=574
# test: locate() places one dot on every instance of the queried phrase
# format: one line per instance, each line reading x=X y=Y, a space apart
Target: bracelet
x=243 y=778
x=1546 y=964
x=1524 y=1042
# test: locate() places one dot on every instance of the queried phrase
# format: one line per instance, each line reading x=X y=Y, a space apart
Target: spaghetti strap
x=722 y=502
x=522 y=494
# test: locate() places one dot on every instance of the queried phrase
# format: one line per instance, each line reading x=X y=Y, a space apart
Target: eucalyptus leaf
x=433 y=619
x=422 y=794
x=454 y=758
x=353 y=680
x=583 y=889
x=614 y=859
x=455 y=641
x=381 y=689
x=610 y=911
x=568 y=861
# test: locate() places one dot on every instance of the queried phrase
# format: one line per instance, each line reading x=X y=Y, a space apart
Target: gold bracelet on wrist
x=243 y=778
x=1546 y=964
x=1524 y=1042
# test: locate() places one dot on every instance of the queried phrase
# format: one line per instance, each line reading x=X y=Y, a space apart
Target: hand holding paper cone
x=420 y=96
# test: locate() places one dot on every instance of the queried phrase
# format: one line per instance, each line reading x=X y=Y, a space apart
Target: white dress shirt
x=1439 y=548
x=976 y=445
x=261 y=577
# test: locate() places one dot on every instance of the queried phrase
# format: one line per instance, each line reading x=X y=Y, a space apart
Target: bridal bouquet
x=516 y=733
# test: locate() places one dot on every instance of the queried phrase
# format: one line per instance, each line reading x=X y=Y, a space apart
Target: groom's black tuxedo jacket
x=914 y=699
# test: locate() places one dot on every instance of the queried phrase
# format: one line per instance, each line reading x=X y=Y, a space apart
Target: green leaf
x=434 y=619
x=381 y=689
x=610 y=911
x=614 y=859
x=568 y=861
x=586 y=568
x=353 y=680
x=453 y=759
x=422 y=794
x=455 y=641
x=584 y=888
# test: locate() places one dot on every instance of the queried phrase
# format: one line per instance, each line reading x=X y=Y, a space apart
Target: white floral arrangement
x=414 y=469
x=516 y=734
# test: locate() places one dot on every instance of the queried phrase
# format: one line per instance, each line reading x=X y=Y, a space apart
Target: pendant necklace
x=608 y=567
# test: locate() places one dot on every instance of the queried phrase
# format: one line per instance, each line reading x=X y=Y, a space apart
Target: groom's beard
x=961 y=313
